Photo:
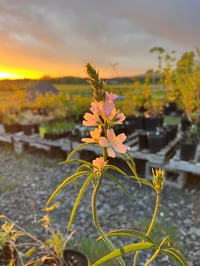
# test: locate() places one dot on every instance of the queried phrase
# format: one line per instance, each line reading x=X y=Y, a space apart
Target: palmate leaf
x=175 y=256
x=129 y=233
x=124 y=250
x=77 y=201
x=65 y=182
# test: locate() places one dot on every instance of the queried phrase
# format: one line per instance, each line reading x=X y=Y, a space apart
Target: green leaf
x=116 y=181
x=124 y=250
x=77 y=201
x=83 y=162
x=165 y=241
x=131 y=163
x=75 y=150
x=29 y=252
x=146 y=182
x=64 y=183
x=175 y=255
x=130 y=233
x=117 y=169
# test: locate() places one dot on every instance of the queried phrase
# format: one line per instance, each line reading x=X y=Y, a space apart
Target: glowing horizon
x=116 y=40
x=14 y=73
x=17 y=73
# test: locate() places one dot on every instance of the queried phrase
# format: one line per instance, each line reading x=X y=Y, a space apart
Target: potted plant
x=58 y=129
x=28 y=121
x=153 y=113
x=187 y=87
x=156 y=141
x=10 y=123
x=8 y=236
x=19 y=246
x=188 y=143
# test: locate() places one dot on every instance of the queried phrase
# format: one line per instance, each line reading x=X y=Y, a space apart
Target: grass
x=57 y=127
x=6 y=187
x=172 y=120
x=160 y=230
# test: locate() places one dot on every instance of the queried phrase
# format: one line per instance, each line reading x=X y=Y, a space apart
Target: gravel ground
x=26 y=182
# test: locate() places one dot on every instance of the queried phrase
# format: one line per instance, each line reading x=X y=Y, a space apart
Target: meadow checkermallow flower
x=113 y=143
x=99 y=163
x=95 y=136
x=104 y=113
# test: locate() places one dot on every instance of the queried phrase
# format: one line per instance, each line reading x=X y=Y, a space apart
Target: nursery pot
x=187 y=151
x=140 y=122
x=130 y=125
x=151 y=123
x=11 y=128
x=75 y=257
x=156 y=141
x=29 y=129
x=142 y=140
x=185 y=124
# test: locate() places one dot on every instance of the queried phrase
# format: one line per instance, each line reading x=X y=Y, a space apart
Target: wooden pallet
x=160 y=157
x=175 y=165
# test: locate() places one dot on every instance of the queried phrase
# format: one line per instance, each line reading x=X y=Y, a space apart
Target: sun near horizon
x=17 y=73
x=12 y=73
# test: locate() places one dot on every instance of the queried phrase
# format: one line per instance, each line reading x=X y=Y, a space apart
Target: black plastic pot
x=187 y=151
x=130 y=125
x=156 y=141
x=29 y=129
x=152 y=123
x=76 y=258
x=12 y=128
x=169 y=108
x=142 y=140
x=185 y=124
x=140 y=122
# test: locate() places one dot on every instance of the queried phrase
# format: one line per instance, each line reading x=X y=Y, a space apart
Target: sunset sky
x=58 y=37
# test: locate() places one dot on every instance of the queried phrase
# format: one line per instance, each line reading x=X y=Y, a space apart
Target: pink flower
x=108 y=112
x=99 y=164
x=95 y=136
x=91 y=119
x=113 y=143
x=104 y=112
x=117 y=117
x=111 y=96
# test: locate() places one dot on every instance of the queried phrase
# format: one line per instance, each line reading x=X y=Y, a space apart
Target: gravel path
x=26 y=182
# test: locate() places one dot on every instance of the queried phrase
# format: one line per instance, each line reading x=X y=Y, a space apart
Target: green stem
x=154 y=214
x=96 y=221
x=150 y=226
x=155 y=254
